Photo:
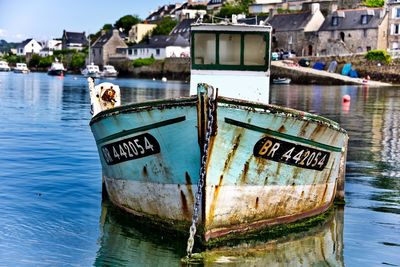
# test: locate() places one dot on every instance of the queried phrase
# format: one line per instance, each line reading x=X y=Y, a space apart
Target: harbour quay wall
x=179 y=69
x=378 y=71
x=171 y=68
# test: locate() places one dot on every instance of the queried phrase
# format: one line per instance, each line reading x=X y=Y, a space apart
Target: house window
x=135 y=52
x=395 y=29
x=395 y=46
x=290 y=39
x=129 y=51
x=342 y=36
x=335 y=21
x=397 y=13
x=364 y=19
x=365 y=32
x=368 y=48
x=158 y=51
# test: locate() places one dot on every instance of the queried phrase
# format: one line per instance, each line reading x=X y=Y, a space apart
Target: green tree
x=164 y=27
x=374 y=3
x=34 y=62
x=94 y=37
x=237 y=7
x=126 y=22
x=45 y=62
x=77 y=60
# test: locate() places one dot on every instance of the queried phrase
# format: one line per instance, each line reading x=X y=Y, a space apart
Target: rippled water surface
x=50 y=191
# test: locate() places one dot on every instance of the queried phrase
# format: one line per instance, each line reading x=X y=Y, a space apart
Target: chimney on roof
x=115 y=32
x=314 y=8
x=272 y=12
x=333 y=7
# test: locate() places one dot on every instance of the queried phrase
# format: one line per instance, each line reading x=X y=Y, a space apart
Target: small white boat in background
x=4 y=66
x=56 y=69
x=281 y=81
x=109 y=71
x=21 y=68
x=91 y=71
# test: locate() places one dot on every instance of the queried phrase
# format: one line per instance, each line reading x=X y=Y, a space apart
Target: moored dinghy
x=241 y=163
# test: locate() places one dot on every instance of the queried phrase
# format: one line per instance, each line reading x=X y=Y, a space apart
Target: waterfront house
x=138 y=31
x=215 y=5
x=297 y=32
x=74 y=40
x=161 y=12
x=190 y=10
x=161 y=47
x=183 y=28
x=394 y=25
x=30 y=46
x=350 y=31
x=106 y=47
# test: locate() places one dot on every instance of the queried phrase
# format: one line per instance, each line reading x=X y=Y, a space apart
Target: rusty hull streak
x=189 y=186
x=244 y=227
x=185 y=208
x=211 y=214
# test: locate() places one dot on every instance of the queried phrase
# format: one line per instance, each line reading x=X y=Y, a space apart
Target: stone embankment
x=305 y=75
x=171 y=68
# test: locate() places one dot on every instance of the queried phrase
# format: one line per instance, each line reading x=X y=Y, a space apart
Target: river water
x=52 y=212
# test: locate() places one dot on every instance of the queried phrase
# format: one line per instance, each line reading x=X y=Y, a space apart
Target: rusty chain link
x=200 y=184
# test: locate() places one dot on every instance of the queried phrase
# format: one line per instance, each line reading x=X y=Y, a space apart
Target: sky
x=46 y=19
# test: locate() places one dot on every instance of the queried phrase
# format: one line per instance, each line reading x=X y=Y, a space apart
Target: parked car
x=288 y=54
x=274 y=56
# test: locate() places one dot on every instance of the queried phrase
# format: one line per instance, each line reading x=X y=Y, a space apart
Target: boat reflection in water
x=126 y=241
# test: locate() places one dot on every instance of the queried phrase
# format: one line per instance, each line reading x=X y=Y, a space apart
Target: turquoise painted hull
x=267 y=165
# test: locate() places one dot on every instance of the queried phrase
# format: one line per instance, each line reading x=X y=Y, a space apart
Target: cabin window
x=205 y=45
x=254 y=50
x=229 y=49
x=157 y=51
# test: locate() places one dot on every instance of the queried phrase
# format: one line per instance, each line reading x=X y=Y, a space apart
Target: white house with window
x=394 y=25
x=28 y=46
x=160 y=47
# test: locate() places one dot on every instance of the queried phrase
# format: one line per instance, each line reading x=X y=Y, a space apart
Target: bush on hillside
x=378 y=55
x=143 y=62
x=374 y=3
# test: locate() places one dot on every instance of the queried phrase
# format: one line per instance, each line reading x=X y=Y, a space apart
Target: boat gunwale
x=183 y=101
x=239 y=103
x=275 y=109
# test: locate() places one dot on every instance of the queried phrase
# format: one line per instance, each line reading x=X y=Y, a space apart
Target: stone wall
x=171 y=68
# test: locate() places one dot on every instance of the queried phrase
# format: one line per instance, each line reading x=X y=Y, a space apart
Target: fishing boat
x=21 y=68
x=222 y=160
x=4 y=66
x=56 y=69
x=281 y=81
x=109 y=71
x=91 y=70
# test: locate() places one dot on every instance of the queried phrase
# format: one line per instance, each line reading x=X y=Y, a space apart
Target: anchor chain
x=200 y=184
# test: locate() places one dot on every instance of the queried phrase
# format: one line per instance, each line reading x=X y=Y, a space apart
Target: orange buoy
x=346 y=98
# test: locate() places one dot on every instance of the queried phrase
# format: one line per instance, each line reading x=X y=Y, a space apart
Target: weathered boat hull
x=267 y=165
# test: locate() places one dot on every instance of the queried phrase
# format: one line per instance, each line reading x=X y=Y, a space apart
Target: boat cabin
x=235 y=58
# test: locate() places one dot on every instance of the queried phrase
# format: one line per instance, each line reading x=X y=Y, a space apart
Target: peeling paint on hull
x=258 y=172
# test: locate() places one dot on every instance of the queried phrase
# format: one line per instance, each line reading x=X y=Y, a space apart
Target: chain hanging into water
x=200 y=184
